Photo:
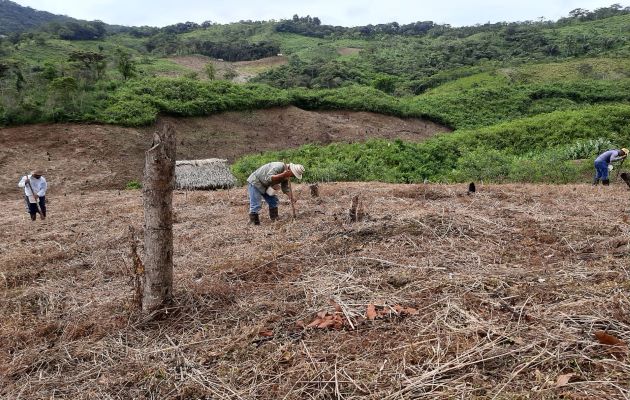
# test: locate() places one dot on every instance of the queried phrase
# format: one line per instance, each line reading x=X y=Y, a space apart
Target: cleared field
x=241 y=70
x=506 y=291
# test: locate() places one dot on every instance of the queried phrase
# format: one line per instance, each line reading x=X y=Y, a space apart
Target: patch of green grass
x=133 y=185
x=159 y=66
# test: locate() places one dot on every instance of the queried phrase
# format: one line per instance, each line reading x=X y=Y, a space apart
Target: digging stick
x=291 y=192
x=292 y=199
x=28 y=182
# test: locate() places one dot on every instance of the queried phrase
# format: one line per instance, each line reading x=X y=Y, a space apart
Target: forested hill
x=15 y=18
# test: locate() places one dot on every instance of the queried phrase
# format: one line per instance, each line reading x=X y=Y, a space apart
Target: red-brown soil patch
x=244 y=70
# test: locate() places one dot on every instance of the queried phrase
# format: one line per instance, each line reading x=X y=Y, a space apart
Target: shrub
x=536 y=149
x=544 y=169
x=587 y=148
x=483 y=165
x=130 y=113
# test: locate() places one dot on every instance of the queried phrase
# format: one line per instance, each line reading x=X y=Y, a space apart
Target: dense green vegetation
x=525 y=99
x=544 y=148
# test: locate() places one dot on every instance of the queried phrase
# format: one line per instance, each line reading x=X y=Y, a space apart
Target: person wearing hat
x=603 y=164
x=35 y=187
x=264 y=182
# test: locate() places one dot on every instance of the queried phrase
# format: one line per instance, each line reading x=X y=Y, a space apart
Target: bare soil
x=78 y=157
x=244 y=70
x=348 y=51
x=511 y=288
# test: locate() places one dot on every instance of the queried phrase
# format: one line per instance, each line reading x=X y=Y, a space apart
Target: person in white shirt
x=35 y=187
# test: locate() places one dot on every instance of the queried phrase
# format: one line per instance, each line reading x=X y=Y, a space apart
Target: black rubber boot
x=273 y=214
x=254 y=219
x=605 y=182
x=33 y=217
x=595 y=181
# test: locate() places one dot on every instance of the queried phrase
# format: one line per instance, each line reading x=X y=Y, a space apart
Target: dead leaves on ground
x=266 y=333
x=327 y=320
x=338 y=320
x=564 y=379
x=614 y=346
x=371 y=312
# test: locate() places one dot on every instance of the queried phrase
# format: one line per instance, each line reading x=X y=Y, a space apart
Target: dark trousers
x=601 y=170
x=32 y=207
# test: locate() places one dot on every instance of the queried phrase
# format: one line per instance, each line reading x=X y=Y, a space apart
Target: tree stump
x=137 y=271
x=157 y=197
x=356 y=209
x=314 y=190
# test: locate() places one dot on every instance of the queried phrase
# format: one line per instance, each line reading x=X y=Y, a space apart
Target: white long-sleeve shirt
x=39 y=186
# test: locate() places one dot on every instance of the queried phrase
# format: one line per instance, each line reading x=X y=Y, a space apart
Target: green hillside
x=15 y=18
x=503 y=80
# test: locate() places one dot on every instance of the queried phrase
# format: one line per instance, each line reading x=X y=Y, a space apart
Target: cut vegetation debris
x=213 y=173
x=510 y=289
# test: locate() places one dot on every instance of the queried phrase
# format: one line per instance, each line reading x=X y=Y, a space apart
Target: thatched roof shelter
x=213 y=173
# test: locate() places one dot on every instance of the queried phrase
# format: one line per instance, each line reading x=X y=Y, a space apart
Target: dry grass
x=511 y=284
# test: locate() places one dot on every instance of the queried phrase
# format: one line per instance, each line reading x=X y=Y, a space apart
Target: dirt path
x=80 y=157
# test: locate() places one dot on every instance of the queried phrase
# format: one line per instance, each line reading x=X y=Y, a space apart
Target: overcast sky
x=331 y=12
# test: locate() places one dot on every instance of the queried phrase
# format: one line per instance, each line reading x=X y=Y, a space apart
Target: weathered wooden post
x=356 y=209
x=157 y=197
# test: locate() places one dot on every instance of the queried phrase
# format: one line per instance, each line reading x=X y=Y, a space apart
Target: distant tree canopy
x=78 y=30
x=581 y=14
x=15 y=18
x=233 y=51
x=142 y=31
x=164 y=43
x=308 y=26
x=182 y=27
x=311 y=26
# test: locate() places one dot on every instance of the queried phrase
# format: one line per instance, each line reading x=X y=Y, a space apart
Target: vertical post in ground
x=157 y=198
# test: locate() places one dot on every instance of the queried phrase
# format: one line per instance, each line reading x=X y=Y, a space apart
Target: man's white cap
x=297 y=169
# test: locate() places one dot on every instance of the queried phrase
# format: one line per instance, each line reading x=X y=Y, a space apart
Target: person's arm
x=617 y=158
x=281 y=177
x=22 y=182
